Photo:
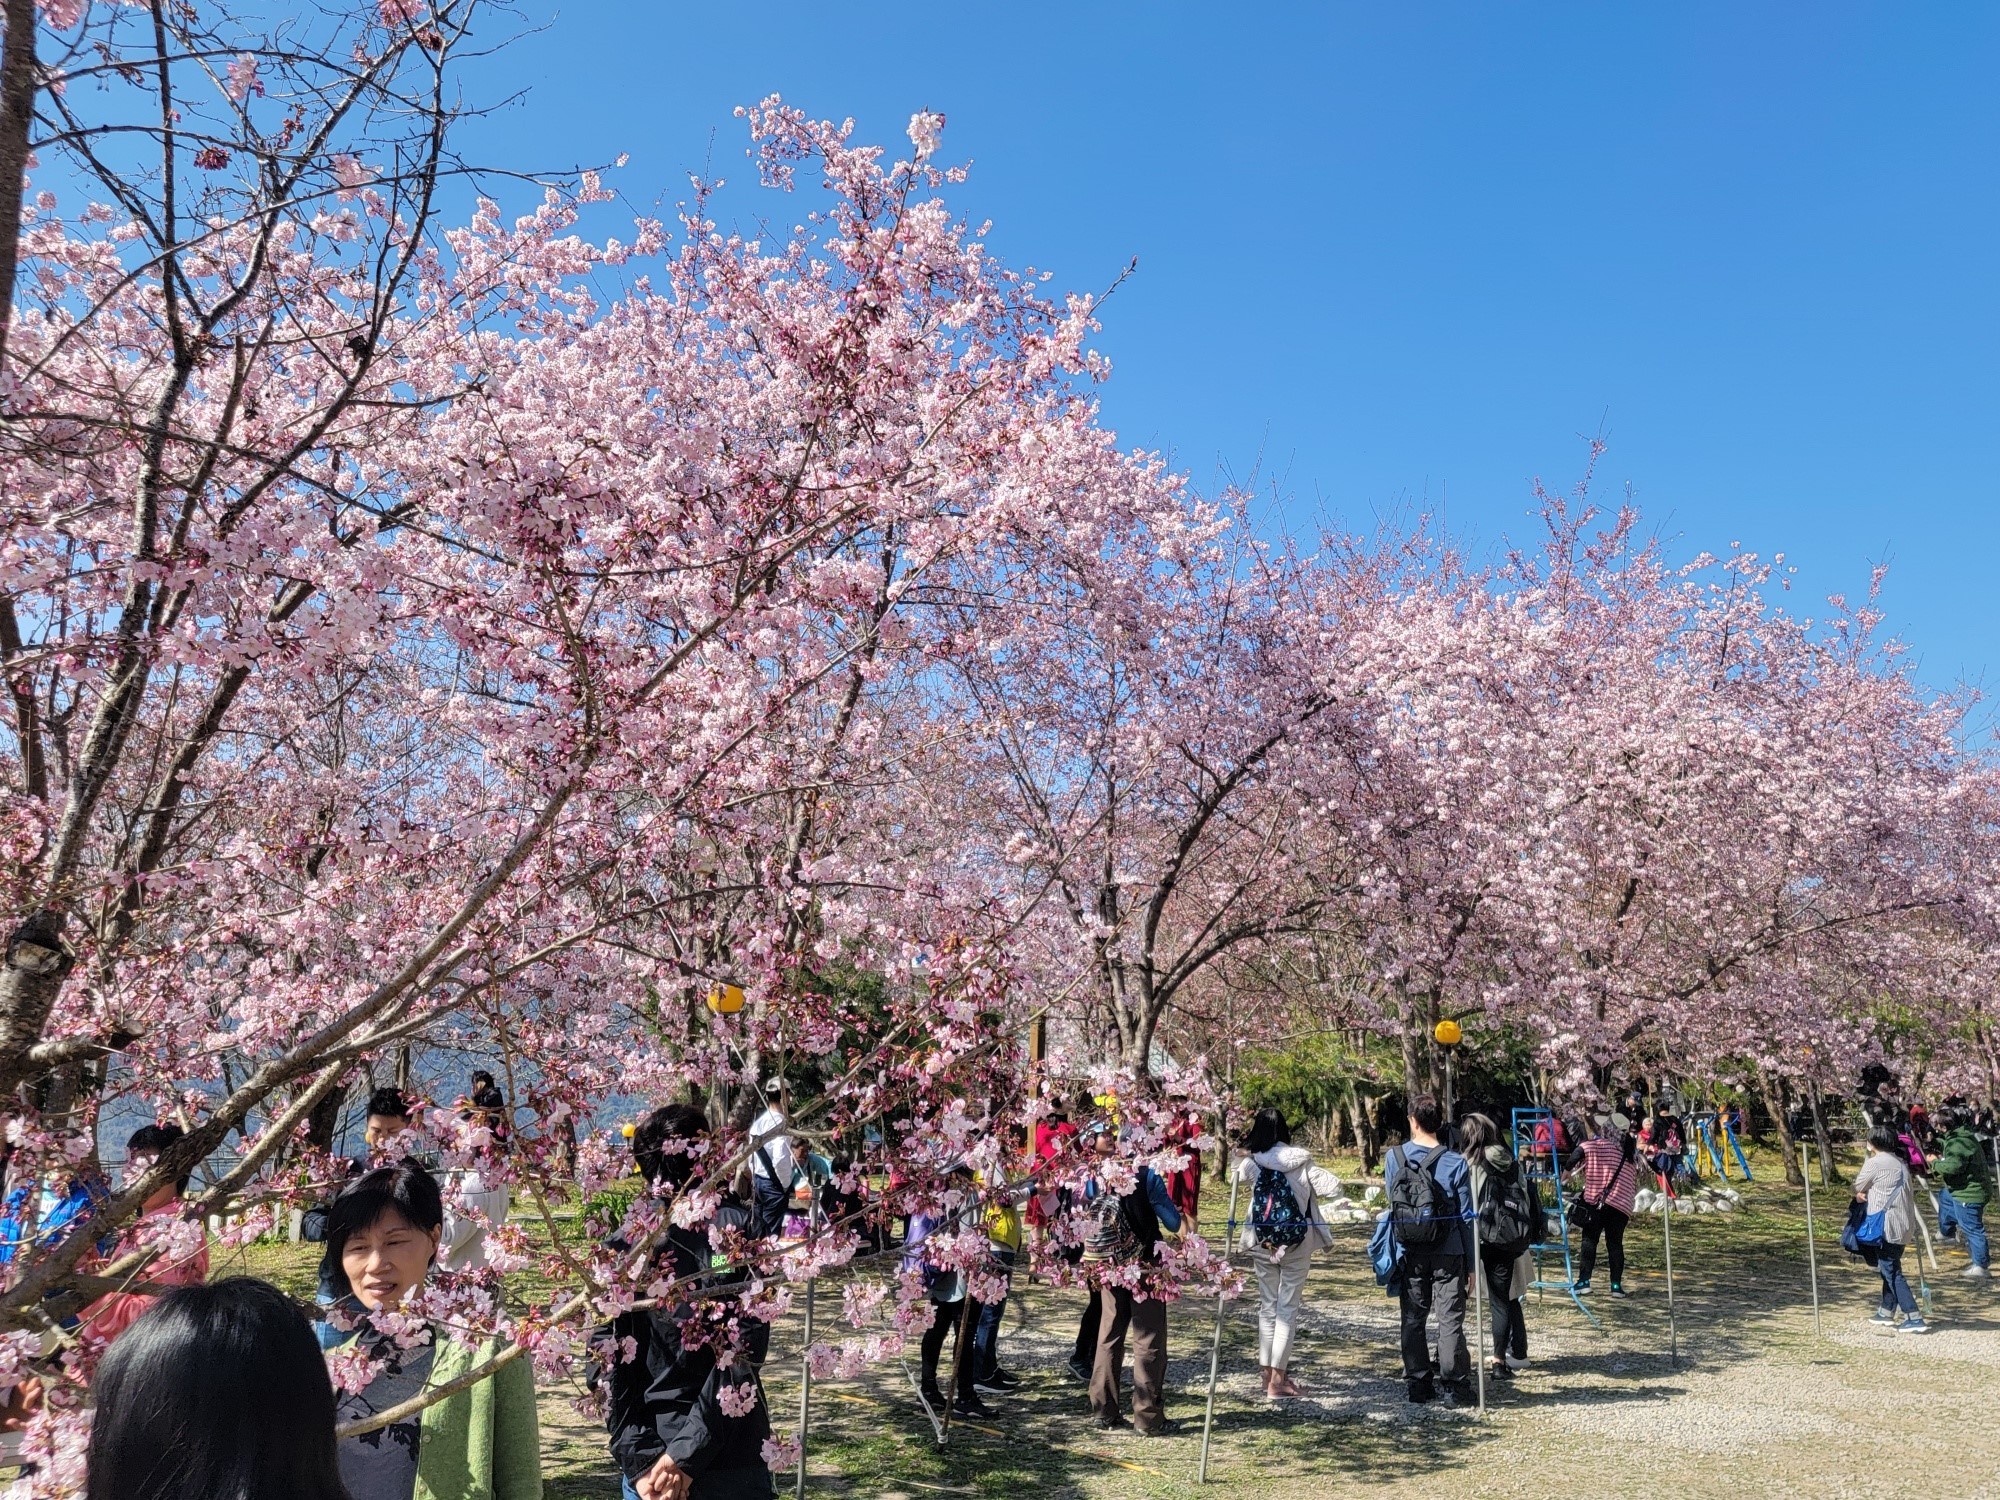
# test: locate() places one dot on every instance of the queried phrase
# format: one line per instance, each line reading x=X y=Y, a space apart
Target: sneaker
x=1458 y=1397
x=970 y=1406
x=1498 y=1369
x=1581 y=1288
x=999 y=1383
x=1112 y=1423
x=1913 y=1324
x=1883 y=1315
x=1619 y=1291
x=1080 y=1370
x=1975 y=1273
x=933 y=1397
x=1517 y=1362
x=1167 y=1427
x=1421 y=1392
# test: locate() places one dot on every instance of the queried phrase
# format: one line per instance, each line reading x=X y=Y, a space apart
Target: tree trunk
x=1364 y=1129
x=1419 y=1077
x=17 y=113
x=325 y=1119
x=1781 y=1117
x=1828 y=1172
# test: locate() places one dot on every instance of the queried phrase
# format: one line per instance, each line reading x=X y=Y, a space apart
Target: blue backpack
x=1275 y=1214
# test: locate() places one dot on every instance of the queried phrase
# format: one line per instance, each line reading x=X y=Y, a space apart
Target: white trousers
x=1281 y=1297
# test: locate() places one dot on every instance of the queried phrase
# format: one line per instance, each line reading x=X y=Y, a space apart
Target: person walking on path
x=1284 y=1228
x=1509 y=1222
x=1883 y=1186
x=1610 y=1186
x=1965 y=1187
x=1125 y=1234
x=1430 y=1214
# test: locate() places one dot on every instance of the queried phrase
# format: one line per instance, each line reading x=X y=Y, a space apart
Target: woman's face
x=388 y=1260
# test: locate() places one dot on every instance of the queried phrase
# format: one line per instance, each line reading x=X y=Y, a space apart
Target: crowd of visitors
x=222 y=1389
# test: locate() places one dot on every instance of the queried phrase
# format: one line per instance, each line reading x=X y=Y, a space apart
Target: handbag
x=1864 y=1231
x=1584 y=1215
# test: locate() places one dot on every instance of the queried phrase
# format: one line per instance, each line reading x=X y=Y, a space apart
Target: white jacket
x=1313 y=1186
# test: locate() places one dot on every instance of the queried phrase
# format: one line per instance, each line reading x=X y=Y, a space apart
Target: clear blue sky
x=1408 y=255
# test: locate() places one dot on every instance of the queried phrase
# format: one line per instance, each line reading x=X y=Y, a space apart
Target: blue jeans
x=1968 y=1219
x=986 y=1331
x=1895 y=1287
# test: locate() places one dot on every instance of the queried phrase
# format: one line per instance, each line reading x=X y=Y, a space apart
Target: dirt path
x=1756 y=1404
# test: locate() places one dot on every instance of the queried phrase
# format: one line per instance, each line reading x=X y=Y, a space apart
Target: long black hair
x=1267 y=1129
x=218 y=1391
x=406 y=1188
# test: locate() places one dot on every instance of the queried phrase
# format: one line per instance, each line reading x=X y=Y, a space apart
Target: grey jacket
x=1886 y=1182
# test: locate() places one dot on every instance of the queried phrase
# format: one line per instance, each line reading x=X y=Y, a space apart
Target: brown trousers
x=1147 y=1320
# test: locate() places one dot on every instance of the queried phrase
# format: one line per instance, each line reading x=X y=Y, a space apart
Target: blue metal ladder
x=1546 y=1170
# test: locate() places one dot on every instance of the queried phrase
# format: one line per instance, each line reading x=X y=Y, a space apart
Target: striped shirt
x=1609 y=1180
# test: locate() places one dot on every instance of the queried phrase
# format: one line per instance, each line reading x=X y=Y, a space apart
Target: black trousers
x=1611 y=1223
x=1505 y=1317
x=1434 y=1285
x=1086 y=1329
x=946 y=1324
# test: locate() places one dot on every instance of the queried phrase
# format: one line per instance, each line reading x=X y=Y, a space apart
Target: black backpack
x=1420 y=1215
x=1512 y=1217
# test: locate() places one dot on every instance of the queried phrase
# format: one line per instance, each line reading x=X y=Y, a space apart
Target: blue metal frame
x=1548 y=1169
x=1712 y=1132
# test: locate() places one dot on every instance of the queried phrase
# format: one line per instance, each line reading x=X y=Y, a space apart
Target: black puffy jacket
x=666 y=1398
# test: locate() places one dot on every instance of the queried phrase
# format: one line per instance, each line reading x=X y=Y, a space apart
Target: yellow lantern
x=725 y=999
x=1447 y=1034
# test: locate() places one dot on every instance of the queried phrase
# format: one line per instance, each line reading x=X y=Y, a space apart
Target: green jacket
x=1961 y=1163
x=484 y=1442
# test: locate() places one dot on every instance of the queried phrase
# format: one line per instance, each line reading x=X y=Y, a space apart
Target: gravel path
x=1755 y=1404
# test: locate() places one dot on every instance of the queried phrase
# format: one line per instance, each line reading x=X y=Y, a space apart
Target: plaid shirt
x=1609 y=1181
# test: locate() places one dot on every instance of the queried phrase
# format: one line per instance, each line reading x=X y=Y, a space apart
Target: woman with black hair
x=1609 y=1162
x=217 y=1391
x=479 y=1443
x=1506 y=1205
x=182 y=1258
x=1284 y=1228
x=1882 y=1186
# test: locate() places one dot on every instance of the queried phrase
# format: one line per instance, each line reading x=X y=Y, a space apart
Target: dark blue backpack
x=1275 y=1214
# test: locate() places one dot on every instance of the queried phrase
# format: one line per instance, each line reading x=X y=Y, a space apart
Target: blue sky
x=1410 y=256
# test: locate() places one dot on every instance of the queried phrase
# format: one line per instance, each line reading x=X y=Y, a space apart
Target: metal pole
x=1215 y=1342
x=806 y=1385
x=1673 y=1328
x=1812 y=1247
x=1479 y=1319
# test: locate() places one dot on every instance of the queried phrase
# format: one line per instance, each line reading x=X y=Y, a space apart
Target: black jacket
x=665 y=1399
